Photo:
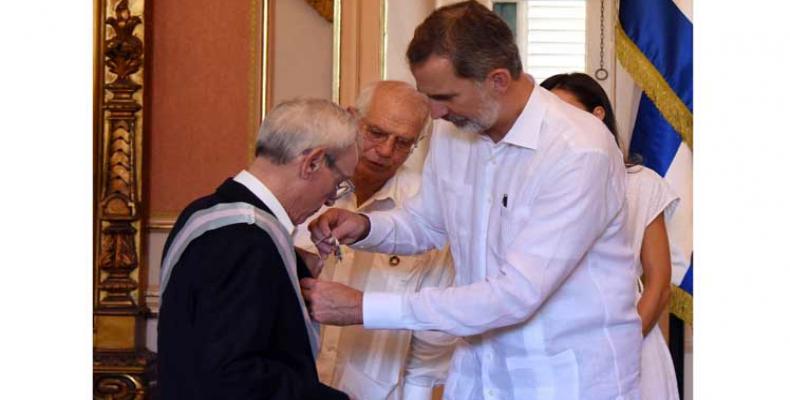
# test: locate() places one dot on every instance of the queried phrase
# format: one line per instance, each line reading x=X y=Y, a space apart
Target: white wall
x=302 y=52
x=402 y=18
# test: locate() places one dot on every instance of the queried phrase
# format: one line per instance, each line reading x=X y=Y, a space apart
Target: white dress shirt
x=543 y=270
x=384 y=364
x=267 y=197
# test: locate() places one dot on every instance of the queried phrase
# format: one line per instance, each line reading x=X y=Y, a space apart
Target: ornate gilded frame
x=121 y=364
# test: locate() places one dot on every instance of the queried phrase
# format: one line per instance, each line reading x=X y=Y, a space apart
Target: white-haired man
x=385 y=364
x=232 y=323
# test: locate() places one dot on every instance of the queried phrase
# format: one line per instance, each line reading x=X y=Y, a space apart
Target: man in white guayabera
x=530 y=193
x=385 y=364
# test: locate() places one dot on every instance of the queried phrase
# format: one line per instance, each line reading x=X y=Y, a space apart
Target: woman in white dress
x=650 y=201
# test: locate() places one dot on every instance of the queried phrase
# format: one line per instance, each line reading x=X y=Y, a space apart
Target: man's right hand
x=345 y=226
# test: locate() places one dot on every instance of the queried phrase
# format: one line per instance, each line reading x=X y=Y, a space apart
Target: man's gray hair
x=294 y=126
x=406 y=92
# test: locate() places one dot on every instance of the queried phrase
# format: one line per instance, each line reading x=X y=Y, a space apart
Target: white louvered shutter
x=551 y=34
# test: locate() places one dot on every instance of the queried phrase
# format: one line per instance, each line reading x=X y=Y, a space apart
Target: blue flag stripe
x=653 y=138
x=664 y=35
x=688 y=279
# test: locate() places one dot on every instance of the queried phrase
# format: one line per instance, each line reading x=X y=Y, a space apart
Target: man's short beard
x=489 y=112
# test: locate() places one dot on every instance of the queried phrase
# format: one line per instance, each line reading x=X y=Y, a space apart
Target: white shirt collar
x=525 y=131
x=385 y=192
x=267 y=197
x=402 y=185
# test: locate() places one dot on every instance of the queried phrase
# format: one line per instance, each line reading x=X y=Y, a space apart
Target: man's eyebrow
x=376 y=128
x=441 y=97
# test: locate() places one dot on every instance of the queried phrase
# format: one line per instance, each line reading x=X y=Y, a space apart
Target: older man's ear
x=310 y=162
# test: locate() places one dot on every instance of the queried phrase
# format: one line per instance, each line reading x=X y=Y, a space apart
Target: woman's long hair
x=591 y=95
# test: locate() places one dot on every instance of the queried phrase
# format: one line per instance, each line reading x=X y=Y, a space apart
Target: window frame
x=592 y=38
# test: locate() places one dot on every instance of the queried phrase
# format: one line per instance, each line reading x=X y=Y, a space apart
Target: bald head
x=393 y=93
x=393 y=116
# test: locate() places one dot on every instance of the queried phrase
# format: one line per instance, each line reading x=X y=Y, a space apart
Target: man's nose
x=438 y=109
x=387 y=147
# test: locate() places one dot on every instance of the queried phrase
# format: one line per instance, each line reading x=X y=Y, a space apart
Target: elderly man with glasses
x=385 y=364
x=233 y=323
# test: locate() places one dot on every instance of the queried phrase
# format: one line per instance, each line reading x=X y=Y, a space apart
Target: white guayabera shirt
x=544 y=291
x=383 y=364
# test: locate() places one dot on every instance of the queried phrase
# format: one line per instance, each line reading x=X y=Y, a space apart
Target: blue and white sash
x=226 y=214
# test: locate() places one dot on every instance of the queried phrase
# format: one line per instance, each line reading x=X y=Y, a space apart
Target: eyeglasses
x=345 y=186
x=376 y=136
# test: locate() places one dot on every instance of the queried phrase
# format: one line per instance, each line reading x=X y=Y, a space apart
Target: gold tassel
x=654 y=85
x=681 y=303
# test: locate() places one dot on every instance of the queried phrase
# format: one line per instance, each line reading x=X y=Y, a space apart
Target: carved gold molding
x=121 y=384
x=120 y=361
x=324 y=7
x=161 y=221
x=121 y=142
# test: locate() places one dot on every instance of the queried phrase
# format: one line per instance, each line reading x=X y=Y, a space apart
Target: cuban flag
x=654 y=44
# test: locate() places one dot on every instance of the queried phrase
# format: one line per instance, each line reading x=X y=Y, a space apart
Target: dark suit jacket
x=230 y=325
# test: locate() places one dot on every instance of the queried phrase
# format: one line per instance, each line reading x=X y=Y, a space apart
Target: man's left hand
x=332 y=303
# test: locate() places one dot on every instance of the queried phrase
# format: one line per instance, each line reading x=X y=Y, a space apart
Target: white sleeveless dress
x=647 y=196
